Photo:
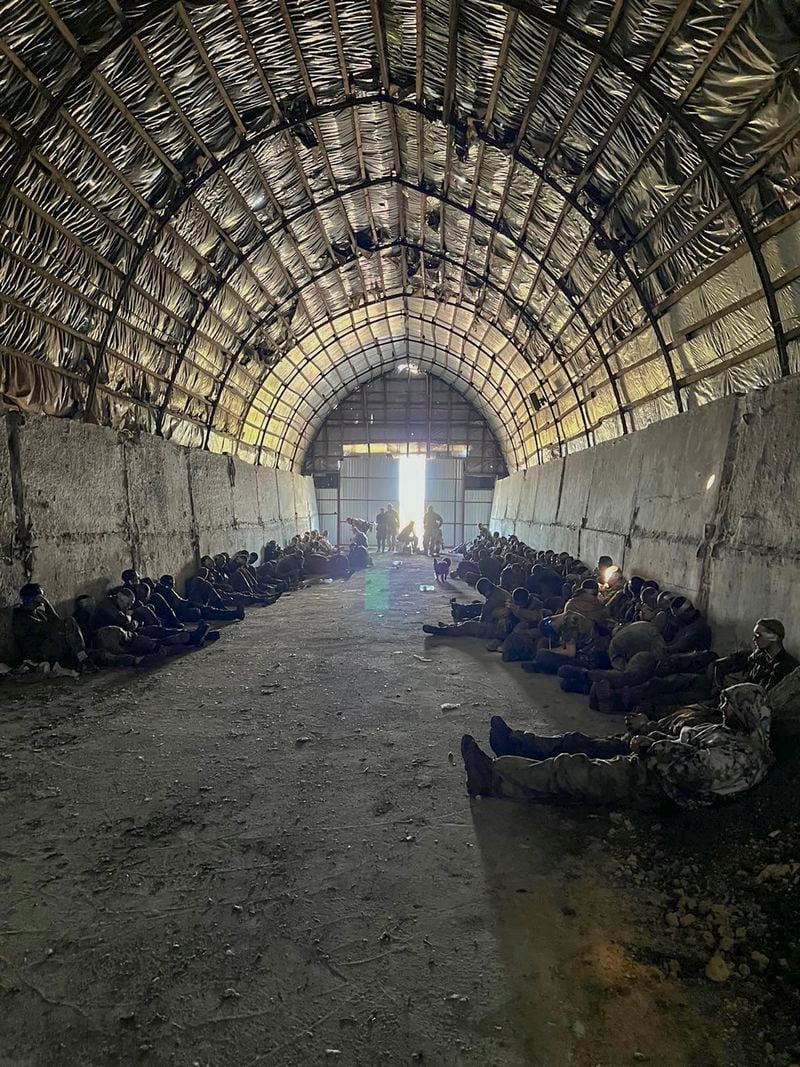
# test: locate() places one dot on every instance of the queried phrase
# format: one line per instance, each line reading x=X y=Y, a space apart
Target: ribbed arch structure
x=221 y=217
x=373 y=340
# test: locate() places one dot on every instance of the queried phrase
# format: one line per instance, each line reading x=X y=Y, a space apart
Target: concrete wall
x=79 y=504
x=706 y=502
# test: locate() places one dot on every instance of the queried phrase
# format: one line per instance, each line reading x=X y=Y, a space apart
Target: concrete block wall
x=706 y=502
x=80 y=503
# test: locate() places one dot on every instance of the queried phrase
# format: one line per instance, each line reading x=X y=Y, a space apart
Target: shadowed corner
x=575 y=992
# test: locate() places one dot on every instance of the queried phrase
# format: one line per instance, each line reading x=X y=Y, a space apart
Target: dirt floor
x=263 y=853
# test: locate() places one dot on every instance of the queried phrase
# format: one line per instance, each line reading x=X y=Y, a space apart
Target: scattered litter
x=231 y=994
x=460 y=997
x=326 y=581
x=427 y=588
x=397 y=563
x=302 y=740
x=422 y=659
x=451 y=759
x=449 y=707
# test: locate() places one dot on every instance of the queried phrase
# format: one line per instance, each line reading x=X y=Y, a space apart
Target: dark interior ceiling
x=219 y=218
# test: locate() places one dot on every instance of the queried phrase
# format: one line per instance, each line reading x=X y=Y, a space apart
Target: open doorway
x=412 y=491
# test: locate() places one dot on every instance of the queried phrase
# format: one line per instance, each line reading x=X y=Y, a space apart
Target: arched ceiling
x=221 y=217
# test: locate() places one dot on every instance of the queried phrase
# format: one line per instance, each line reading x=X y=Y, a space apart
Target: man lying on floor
x=704 y=764
x=494 y=621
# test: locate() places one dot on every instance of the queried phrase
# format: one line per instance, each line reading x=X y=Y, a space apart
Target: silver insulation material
x=221 y=217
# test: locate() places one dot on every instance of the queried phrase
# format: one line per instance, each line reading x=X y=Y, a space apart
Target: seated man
x=544 y=581
x=150 y=625
x=635 y=652
x=513 y=574
x=316 y=564
x=490 y=565
x=243 y=583
x=289 y=569
x=623 y=605
x=339 y=566
x=407 y=539
x=705 y=764
x=41 y=634
x=111 y=640
x=359 y=538
x=467 y=570
x=269 y=584
x=359 y=558
x=768 y=663
x=145 y=614
x=271 y=552
x=494 y=618
x=116 y=610
x=690 y=632
x=599 y=573
x=570 y=641
x=586 y=601
x=522 y=643
x=111 y=646
x=188 y=611
x=210 y=585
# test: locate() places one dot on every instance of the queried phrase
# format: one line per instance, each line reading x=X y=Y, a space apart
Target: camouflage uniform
x=705 y=763
x=713 y=761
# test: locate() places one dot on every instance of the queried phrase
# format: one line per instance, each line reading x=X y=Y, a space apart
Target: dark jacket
x=694 y=637
x=761 y=670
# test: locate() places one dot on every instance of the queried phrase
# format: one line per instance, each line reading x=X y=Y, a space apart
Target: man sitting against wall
x=119 y=609
x=41 y=634
x=767 y=665
x=188 y=610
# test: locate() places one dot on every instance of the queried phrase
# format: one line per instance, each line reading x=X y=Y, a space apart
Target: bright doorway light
x=412 y=491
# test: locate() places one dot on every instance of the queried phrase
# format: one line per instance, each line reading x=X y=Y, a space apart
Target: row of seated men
x=321 y=559
x=631 y=647
x=141 y=621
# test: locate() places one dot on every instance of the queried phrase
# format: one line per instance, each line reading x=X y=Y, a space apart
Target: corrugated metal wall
x=327 y=508
x=477 y=508
x=366 y=484
x=415 y=408
x=444 y=489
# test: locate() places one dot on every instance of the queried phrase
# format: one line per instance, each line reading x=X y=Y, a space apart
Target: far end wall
x=707 y=503
x=79 y=504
